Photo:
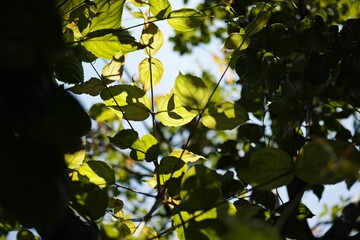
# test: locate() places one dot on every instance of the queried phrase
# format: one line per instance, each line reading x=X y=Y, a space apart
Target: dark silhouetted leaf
x=92 y=87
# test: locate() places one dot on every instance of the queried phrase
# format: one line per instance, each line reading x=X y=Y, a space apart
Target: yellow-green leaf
x=191 y=91
x=97 y=172
x=74 y=160
x=108 y=15
x=224 y=115
x=127 y=100
x=106 y=44
x=171 y=113
x=170 y=166
x=147 y=148
x=100 y=112
x=160 y=8
x=186 y=156
x=152 y=38
x=114 y=69
x=236 y=41
x=151 y=71
x=185 y=19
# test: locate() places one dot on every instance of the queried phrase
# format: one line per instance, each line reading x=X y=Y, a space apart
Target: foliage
x=208 y=164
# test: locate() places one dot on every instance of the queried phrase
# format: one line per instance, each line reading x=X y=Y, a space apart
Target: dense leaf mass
x=208 y=156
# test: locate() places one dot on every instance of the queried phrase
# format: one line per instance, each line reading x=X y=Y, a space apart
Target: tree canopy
x=212 y=153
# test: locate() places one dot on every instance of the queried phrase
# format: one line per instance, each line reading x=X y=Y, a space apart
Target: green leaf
x=129 y=100
x=191 y=91
x=151 y=71
x=224 y=115
x=97 y=172
x=69 y=69
x=152 y=38
x=186 y=156
x=147 y=148
x=74 y=160
x=108 y=15
x=147 y=233
x=200 y=188
x=25 y=234
x=106 y=44
x=66 y=8
x=257 y=24
x=125 y=138
x=89 y=200
x=160 y=8
x=100 y=112
x=92 y=87
x=208 y=224
x=171 y=113
x=268 y=168
x=114 y=69
x=170 y=167
x=236 y=41
x=327 y=162
x=185 y=19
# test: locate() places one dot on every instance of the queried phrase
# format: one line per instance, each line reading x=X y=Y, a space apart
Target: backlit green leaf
x=100 y=112
x=147 y=148
x=107 y=44
x=191 y=91
x=171 y=113
x=170 y=167
x=125 y=138
x=208 y=224
x=92 y=87
x=152 y=38
x=200 y=188
x=160 y=8
x=268 y=168
x=147 y=233
x=127 y=100
x=236 y=41
x=74 y=160
x=108 y=15
x=150 y=71
x=114 y=69
x=185 y=19
x=65 y=8
x=224 y=115
x=103 y=35
x=186 y=156
x=97 y=172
